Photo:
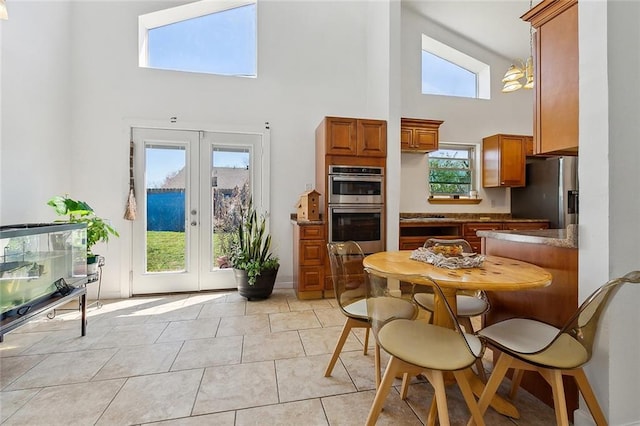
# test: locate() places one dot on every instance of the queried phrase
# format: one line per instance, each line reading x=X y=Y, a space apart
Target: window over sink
x=452 y=171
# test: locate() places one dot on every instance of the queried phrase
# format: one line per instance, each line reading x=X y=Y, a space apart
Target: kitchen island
x=555 y=250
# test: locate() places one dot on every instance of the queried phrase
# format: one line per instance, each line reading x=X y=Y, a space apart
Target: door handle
x=194 y=223
x=194 y=212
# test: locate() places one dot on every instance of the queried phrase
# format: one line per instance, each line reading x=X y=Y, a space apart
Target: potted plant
x=255 y=266
x=98 y=230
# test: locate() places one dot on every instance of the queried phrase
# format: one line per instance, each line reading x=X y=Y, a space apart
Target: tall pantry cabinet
x=339 y=141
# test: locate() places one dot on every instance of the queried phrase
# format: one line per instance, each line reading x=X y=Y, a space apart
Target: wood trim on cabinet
x=419 y=135
x=546 y=10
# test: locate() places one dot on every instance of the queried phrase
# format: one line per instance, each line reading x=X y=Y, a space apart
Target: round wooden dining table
x=495 y=274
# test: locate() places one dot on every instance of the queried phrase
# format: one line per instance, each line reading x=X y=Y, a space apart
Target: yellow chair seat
x=413 y=341
x=468 y=306
x=524 y=338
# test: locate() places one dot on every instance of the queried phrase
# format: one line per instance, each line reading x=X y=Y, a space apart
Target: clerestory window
x=209 y=36
x=449 y=72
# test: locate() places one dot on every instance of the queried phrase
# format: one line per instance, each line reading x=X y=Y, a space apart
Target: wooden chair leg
x=481 y=373
x=466 y=323
x=467 y=393
x=515 y=382
x=554 y=378
x=377 y=365
x=589 y=396
x=348 y=325
x=366 y=341
x=393 y=367
x=404 y=389
x=432 y=418
x=437 y=381
x=497 y=375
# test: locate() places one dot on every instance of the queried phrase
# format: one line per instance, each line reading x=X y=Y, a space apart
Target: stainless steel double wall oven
x=356 y=206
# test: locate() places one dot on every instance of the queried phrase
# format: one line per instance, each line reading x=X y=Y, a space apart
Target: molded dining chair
x=417 y=345
x=347 y=274
x=469 y=304
x=350 y=288
x=528 y=344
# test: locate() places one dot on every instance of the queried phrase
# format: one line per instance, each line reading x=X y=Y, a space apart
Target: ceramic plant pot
x=263 y=286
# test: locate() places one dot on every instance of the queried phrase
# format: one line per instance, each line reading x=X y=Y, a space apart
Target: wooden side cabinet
x=309 y=247
x=556 y=76
x=354 y=136
x=470 y=229
x=418 y=135
x=503 y=161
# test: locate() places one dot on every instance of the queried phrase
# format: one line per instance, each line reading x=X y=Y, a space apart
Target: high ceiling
x=494 y=24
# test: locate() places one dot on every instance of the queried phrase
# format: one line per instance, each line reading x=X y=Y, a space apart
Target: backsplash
x=470 y=216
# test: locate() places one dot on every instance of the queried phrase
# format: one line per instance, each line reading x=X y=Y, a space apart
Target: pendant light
x=522 y=71
x=529 y=73
x=3 y=10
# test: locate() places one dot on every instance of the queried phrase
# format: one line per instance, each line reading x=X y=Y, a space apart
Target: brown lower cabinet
x=553 y=304
x=469 y=232
x=414 y=234
x=309 y=253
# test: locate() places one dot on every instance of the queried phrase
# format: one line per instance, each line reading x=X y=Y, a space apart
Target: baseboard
x=582 y=418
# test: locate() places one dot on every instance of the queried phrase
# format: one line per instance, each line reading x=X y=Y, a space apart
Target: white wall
x=35 y=110
x=465 y=120
x=383 y=93
x=70 y=82
x=312 y=62
x=609 y=209
x=356 y=68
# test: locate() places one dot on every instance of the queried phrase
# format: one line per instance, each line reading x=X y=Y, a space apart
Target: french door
x=194 y=183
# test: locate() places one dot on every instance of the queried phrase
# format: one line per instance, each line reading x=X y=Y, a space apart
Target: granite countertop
x=567 y=238
x=461 y=218
x=294 y=219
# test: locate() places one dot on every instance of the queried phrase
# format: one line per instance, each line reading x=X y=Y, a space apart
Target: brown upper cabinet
x=354 y=136
x=418 y=135
x=503 y=160
x=556 y=76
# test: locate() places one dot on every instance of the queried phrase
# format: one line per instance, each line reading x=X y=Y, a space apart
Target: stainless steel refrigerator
x=551 y=192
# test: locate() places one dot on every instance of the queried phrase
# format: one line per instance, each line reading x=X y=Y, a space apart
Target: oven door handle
x=358 y=178
x=356 y=210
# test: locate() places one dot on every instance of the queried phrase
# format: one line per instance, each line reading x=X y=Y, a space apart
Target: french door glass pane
x=230 y=189
x=165 y=184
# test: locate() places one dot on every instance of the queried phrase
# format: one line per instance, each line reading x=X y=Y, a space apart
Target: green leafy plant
x=252 y=250
x=80 y=212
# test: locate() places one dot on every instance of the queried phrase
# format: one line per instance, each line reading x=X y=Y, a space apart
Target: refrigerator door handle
x=572 y=201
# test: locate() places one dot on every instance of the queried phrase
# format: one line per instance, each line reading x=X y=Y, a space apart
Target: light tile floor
x=207 y=359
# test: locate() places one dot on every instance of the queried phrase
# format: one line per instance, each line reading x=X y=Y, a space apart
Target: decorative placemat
x=465 y=260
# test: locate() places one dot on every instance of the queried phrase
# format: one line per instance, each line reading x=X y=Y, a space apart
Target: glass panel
x=356 y=187
x=230 y=189
x=218 y=43
x=450 y=172
x=165 y=184
x=441 y=77
x=356 y=226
